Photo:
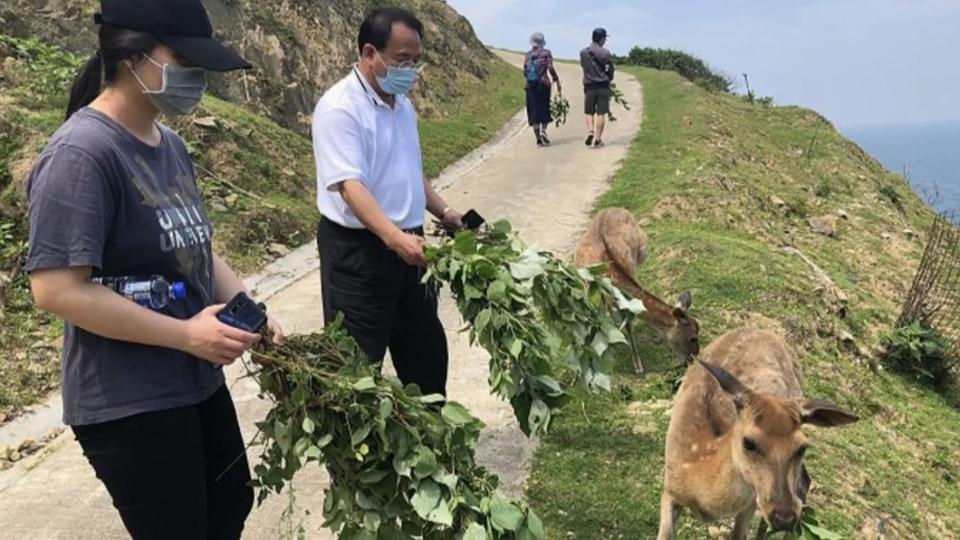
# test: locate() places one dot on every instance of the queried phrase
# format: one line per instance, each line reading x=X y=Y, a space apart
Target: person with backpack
x=540 y=75
x=114 y=195
x=598 y=72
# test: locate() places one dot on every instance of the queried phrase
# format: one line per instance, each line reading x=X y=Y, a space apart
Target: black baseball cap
x=182 y=25
x=599 y=33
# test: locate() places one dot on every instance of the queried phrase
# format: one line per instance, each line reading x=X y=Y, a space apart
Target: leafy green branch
x=546 y=325
x=401 y=464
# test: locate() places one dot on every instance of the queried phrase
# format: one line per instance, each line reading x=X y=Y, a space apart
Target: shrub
x=918 y=350
x=687 y=65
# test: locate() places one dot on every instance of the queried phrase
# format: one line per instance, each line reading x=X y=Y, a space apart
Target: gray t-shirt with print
x=100 y=197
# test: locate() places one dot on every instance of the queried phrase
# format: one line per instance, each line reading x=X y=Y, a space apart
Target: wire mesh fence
x=934 y=298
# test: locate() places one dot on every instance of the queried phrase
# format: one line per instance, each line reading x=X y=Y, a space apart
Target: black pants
x=384 y=304
x=161 y=468
x=538 y=104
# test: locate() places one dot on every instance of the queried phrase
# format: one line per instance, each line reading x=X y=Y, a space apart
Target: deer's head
x=684 y=334
x=767 y=446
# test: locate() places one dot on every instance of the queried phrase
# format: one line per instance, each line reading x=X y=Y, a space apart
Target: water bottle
x=153 y=292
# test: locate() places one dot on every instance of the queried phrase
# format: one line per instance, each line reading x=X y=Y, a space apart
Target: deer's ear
x=824 y=414
x=684 y=301
x=730 y=384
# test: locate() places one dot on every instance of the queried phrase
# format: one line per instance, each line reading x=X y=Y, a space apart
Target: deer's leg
x=742 y=525
x=634 y=348
x=762 y=530
x=669 y=515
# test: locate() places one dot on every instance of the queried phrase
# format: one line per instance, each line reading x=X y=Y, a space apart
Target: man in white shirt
x=372 y=196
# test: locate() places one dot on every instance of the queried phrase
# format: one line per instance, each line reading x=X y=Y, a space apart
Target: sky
x=859 y=62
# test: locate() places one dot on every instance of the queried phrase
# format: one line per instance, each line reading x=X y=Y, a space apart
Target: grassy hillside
x=725 y=189
x=257 y=178
x=297 y=47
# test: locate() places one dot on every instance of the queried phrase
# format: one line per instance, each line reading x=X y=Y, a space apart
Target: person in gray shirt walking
x=598 y=72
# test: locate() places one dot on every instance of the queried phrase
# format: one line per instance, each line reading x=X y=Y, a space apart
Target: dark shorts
x=597 y=101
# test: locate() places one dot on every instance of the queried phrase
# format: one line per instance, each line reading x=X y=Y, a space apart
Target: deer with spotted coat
x=615 y=239
x=735 y=443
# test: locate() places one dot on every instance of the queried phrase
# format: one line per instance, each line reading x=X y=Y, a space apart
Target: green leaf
x=535 y=526
x=475 y=532
x=602 y=380
x=528 y=267
x=426 y=498
x=426 y=463
x=516 y=348
x=465 y=243
x=313 y=453
x=364 y=384
x=497 y=292
x=820 y=533
x=386 y=408
x=456 y=414
x=325 y=440
x=539 y=415
x=308 y=425
x=504 y=515
x=366 y=502
x=360 y=434
x=373 y=476
x=433 y=398
x=372 y=521
x=441 y=514
x=482 y=320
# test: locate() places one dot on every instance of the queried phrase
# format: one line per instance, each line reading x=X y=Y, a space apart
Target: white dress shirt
x=357 y=136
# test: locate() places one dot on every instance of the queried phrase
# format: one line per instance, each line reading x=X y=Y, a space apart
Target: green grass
x=471 y=118
x=272 y=166
x=701 y=175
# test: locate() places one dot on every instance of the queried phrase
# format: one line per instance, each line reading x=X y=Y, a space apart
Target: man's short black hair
x=378 y=25
x=599 y=35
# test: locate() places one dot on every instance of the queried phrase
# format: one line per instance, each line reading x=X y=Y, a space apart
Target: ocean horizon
x=927 y=155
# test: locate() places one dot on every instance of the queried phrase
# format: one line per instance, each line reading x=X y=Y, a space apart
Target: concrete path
x=546 y=193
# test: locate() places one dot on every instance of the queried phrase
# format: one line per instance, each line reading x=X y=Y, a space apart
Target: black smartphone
x=244 y=313
x=472 y=220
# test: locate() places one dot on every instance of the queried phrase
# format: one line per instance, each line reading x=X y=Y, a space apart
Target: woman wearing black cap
x=114 y=194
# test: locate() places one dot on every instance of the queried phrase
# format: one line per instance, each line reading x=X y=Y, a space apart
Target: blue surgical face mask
x=181 y=90
x=399 y=80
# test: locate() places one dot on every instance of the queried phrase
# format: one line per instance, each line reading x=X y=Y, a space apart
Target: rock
x=825 y=225
x=4 y=278
x=231 y=200
x=288 y=173
x=14 y=456
x=644 y=222
x=3 y=418
x=909 y=233
x=29 y=446
x=278 y=250
x=847 y=337
x=219 y=207
x=777 y=201
x=843 y=214
x=206 y=121
x=886 y=236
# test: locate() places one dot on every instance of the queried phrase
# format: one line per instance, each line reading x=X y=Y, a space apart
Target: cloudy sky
x=859 y=62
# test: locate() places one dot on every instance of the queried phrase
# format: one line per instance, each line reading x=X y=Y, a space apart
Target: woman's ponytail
x=116 y=45
x=86 y=86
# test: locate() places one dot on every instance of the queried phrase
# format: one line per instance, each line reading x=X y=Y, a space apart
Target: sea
x=927 y=155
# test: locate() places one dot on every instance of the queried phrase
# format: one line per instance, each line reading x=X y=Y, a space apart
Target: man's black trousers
x=385 y=306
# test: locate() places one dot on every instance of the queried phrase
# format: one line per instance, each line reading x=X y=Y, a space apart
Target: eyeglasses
x=417 y=65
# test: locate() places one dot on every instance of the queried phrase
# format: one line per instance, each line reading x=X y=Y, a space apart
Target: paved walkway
x=547 y=195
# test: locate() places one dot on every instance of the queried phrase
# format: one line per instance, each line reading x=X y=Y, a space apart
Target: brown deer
x=734 y=444
x=615 y=238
